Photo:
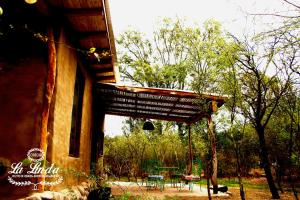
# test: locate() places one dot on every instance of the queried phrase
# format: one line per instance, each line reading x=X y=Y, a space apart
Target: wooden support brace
x=214 y=106
x=190 y=169
x=50 y=84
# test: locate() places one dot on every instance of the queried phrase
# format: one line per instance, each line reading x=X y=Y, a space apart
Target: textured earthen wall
x=62 y=116
x=23 y=72
x=23 y=65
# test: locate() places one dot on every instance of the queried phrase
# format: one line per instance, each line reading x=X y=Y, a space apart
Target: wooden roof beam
x=197 y=118
x=162 y=106
x=82 y=12
x=102 y=66
x=174 y=105
x=92 y=34
x=151 y=110
x=145 y=99
x=104 y=74
x=105 y=60
x=111 y=77
x=104 y=70
x=148 y=116
x=107 y=81
x=166 y=92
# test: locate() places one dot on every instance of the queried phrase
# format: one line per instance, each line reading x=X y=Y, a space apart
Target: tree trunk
x=208 y=175
x=265 y=161
x=238 y=170
x=291 y=181
x=212 y=136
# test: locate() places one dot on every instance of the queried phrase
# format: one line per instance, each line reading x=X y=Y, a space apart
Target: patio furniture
x=180 y=180
x=188 y=179
x=176 y=180
x=144 y=177
x=155 y=181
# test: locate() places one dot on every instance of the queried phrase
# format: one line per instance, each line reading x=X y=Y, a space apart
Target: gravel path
x=137 y=189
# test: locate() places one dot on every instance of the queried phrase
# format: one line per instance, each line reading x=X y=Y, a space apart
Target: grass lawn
x=253 y=183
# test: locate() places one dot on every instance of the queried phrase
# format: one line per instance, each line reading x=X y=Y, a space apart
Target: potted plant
x=101 y=189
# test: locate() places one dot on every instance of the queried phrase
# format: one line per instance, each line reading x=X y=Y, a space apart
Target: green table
x=155 y=181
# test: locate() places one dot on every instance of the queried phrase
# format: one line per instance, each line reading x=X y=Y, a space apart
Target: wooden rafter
x=103 y=78
x=197 y=118
x=101 y=66
x=82 y=12
x=174 y=105
x=170 y=93
x=186 y=109
x=105 y=60
x=140 y=108
x=102 y=70
x=166 y=101
x=92 y=34
x=163 y=104
x=102 y=74
x=151 y=116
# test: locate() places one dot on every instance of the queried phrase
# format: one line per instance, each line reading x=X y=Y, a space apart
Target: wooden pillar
x=100 y=144
x=50 y=84
x=214 y=159
x=190 y=169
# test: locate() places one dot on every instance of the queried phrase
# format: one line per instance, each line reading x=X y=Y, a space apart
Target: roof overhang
x=91 y=24
x=155 y=103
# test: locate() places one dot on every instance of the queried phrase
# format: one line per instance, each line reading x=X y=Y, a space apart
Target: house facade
x=52 y=53
x=57 y=82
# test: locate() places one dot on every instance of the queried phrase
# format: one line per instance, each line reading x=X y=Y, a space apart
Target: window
x=76 y=114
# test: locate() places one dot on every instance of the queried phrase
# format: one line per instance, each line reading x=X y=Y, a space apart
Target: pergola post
x=100 y=145
x=190 y=169
x=50 y=84
x=212 y=136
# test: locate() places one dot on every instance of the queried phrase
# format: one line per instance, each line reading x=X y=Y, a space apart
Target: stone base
x=76 y=192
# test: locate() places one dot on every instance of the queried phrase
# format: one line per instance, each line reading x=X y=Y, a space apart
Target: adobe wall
x=23 y=73
x=62 y=115
x=23 y=65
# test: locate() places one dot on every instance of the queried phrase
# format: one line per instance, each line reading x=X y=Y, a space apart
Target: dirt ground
x=196 y=194
x=257 y=194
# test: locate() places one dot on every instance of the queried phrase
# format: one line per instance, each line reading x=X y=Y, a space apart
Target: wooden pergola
x=156 y=103
x=162 y=104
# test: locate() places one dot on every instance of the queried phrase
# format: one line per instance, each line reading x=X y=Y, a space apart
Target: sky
x=143 y=15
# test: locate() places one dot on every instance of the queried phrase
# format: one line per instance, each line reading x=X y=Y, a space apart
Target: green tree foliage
x=211 y=52
x=258 y=75
x=137 y=153
x=158 y=62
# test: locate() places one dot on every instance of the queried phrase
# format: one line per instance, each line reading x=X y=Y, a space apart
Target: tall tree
x=158 y=62
x=265 y=79
x=288 y=48
x=211 y=53
x=177 y=57
x=232 y=87
x=287 y=32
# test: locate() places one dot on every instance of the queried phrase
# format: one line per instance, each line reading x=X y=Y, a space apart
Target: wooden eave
x=90 y=21
x=155 y=103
